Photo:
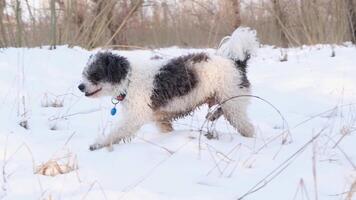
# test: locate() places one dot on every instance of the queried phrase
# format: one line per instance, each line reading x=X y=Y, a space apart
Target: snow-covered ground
x=313 y=91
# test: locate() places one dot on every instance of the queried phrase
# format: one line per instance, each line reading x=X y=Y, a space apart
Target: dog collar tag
x=113 y=111
x=115 y=101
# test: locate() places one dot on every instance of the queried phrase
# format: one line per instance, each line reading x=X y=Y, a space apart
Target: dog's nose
x=81 y=87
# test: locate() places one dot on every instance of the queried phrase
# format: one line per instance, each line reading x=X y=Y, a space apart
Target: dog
x=174 y=89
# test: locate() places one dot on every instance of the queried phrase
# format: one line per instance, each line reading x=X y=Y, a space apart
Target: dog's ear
x=116 y=68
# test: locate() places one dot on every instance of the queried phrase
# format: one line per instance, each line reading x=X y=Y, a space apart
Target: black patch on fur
x=107 y=67
x=175 y=79
x=242 y=67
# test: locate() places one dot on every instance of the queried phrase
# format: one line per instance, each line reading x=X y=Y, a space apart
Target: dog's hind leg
x=235 y=111
x=216 y=113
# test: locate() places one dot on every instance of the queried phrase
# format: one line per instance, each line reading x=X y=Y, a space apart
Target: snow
x=181 y=164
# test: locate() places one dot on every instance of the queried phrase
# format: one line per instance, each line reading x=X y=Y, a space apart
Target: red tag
x=120 y=98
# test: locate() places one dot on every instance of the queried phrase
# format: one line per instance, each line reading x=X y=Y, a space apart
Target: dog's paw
x=108 y=142
x=95 y=146
x=247 y=131
x=100 y=143
x=125 y=140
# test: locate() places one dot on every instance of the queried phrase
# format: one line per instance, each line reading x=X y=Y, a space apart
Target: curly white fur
x=217 y=77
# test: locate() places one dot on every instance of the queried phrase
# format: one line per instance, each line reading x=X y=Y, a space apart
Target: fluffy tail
x=239 y=46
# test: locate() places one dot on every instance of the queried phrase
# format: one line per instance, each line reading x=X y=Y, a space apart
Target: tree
x=116 y=19
x=2 y=26
x=100 y=10
x=236 y=4
x=352 y=19
x=280 y=20
x=134 y=7
x=53 y=24
x=18 y=13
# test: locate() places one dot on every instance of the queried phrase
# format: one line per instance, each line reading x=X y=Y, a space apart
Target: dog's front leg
x=123 y=131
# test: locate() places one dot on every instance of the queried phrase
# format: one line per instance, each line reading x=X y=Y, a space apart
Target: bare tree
x=2 y=26
x=99 y=10
x=19 y=31
x=110 y=15
x=194 y=23
x=53 y=24
x=280 y=20
x=135 y=6
x=79 y=13
x=352 y=19
x=32 y=19
x=236 y=4
x=115 y=20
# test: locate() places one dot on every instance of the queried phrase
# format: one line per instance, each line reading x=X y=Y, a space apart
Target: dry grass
x=352 y=191
x=55 y=166
x=302 y=191
x=322 y=142
x=64 y=163
x=56 y=102
x=224 y=161
x=58 y=166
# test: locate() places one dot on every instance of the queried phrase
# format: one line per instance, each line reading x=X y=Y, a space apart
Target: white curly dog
x=176 y=88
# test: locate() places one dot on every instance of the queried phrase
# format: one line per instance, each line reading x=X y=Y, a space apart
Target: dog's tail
x=239 y=46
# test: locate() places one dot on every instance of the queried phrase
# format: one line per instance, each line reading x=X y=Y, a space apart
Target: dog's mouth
x=88 y=94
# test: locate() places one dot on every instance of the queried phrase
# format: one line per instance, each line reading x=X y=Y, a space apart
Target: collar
x=120 y=97
x=117 y=99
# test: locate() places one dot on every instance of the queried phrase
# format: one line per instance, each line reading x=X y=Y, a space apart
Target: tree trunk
x=53 y=24
x=280 y=20
x=352 y=19
x=78 y=13
x=135 y=6
x=236 y=4
x=33 y=22
x=100 y=5
x=2 y=26
x=19 y=30
x=60 y=27
x=317 y=23
x=114 y=24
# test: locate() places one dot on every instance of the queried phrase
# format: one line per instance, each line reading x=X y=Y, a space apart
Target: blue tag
x=113 y=111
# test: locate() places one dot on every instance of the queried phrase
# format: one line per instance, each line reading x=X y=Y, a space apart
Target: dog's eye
x=94 y=77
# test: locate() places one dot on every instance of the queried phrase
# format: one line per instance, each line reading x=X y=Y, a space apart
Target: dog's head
x=105 y=75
